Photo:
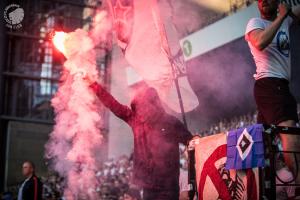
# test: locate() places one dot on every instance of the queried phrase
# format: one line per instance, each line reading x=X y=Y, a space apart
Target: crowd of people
x=114 y=175
x=234 y=123
x=227 y=125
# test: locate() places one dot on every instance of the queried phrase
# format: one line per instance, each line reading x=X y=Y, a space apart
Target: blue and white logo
x=244 y=144
x=245 y=148
x=283 y=43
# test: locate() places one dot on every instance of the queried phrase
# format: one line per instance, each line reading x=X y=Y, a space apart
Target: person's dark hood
x=146 y=103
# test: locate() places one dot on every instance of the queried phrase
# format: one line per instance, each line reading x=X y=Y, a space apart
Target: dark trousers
x=161 y=194
x=274 y=101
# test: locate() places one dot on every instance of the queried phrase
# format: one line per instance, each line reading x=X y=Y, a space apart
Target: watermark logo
x=13 y=15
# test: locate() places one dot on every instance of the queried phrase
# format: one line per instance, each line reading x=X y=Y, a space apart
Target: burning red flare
x=58 y=40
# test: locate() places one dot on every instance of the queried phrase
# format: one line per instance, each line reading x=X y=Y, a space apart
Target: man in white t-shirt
x=269 y=42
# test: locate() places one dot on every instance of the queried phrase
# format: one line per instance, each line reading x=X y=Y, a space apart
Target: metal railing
x=268 y=175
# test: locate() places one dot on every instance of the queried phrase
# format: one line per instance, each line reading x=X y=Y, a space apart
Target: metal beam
x=72 y=3
x=25 y=35
x=24 y=119
x=24 y=76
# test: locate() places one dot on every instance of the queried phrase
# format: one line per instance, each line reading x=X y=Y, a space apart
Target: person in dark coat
x=156 y=139
x=31 y=188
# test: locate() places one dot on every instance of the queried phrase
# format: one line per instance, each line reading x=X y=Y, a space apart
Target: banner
x=214 y=181
x=141 y=34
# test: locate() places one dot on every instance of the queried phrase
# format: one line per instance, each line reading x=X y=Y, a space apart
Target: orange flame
x=58 y=40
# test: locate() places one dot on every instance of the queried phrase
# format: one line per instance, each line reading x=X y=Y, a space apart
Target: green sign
x=187 y=48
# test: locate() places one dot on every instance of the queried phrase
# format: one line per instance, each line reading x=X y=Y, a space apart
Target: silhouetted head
x=147 y=105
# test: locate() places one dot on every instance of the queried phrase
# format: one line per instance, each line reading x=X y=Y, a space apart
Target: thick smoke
x=223 y=81
x=76 y=138
x=222 y=78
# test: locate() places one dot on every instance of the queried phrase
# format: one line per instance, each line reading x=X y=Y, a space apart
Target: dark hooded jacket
x=156 y=138
x=33 y=189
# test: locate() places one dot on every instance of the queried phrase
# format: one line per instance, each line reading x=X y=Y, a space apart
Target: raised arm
x=261 y=38
x=121 y=111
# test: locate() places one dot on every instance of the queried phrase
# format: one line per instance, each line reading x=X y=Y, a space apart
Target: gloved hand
x=193 y=142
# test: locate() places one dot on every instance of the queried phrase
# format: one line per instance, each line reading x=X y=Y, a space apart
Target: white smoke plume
x=76 y=137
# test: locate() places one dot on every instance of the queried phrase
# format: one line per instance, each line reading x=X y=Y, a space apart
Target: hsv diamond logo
x=244 y=144
x=245 y=148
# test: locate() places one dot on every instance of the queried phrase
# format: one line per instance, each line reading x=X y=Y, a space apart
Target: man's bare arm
x=259 y=38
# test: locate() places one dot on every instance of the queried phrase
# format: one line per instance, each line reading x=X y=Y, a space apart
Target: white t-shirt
x=275 y=59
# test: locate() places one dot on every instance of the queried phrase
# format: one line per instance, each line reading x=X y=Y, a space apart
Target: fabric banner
x=141 y=34
x=214 y=181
